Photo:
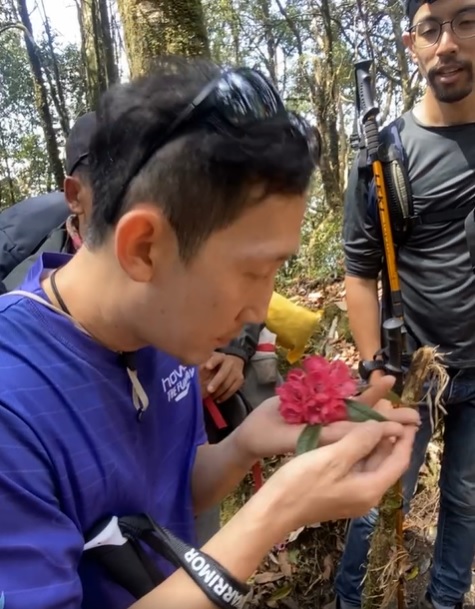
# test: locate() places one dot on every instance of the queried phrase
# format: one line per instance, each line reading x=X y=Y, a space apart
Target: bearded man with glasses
x=437 y=286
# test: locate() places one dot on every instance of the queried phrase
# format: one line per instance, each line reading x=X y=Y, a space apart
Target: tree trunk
x=327 y=107
x=270 y=40
x=92 y=51
x=323 y=90
x=162 y=27
x=112 y=71
x=57 y=89
x=41 y=96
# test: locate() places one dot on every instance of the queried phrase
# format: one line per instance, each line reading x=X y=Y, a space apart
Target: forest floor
x=299 y=573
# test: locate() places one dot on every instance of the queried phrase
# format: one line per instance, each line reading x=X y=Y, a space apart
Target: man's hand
x=345 y=479
x=221 y=376
x=264 y=433
x=375 y=376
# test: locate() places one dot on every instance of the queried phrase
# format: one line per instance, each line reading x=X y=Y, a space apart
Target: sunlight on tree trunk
x=97 y=46
x=162 y=27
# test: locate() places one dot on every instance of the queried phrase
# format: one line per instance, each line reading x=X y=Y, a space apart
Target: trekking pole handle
x=394 y=329
x=366 y=105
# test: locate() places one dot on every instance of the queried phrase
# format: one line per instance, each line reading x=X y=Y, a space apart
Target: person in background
x=72 y=208
x=437 y=287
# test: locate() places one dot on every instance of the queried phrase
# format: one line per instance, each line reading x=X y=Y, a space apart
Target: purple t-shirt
x=73 y=452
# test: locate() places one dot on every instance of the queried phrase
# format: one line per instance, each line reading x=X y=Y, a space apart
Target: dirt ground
x=299 y=573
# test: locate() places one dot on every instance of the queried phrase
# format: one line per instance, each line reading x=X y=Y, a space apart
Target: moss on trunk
x=162 y=27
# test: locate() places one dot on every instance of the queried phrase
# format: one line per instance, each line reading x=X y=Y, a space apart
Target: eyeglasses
x=234 y=99
x=427 y=33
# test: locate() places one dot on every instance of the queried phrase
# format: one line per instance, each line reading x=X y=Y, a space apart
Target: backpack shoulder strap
x=398 y=189
x=396 y=176
x=470 y=234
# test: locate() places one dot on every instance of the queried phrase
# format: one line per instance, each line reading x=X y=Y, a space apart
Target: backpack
x=394 y=160
x=24 y=228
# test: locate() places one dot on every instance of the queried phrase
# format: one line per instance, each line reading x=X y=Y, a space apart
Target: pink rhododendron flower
x=316 y=392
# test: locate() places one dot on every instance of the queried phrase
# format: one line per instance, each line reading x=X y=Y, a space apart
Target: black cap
x=412 y=6
x=79 y=139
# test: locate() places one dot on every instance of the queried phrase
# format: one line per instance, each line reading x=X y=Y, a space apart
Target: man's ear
x=144 y=239
x=72 y=186
x=407 y=41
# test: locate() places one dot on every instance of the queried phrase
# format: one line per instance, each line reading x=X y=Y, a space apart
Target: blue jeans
x=454 y=550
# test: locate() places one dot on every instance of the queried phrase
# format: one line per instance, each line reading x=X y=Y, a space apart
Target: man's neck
x=433 y=113
x=89 y=288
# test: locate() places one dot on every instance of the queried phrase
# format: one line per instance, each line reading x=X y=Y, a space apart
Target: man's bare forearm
x=239 y=546
x=363 y=314
x=218 y=469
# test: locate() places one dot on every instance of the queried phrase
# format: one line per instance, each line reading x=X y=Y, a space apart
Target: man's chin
x=451 y=94
x=194 y=359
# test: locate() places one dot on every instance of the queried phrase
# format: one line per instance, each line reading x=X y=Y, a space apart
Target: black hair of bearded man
x=203 y=177
x=412 y=6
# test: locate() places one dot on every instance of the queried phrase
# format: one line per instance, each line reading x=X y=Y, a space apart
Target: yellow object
x=293 y=325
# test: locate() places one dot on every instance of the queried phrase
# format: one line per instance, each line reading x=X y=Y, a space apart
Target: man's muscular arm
x=364 y=318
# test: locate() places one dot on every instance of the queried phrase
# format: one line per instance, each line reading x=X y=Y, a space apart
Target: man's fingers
x=360 y=442
x=403 y=415
x=377 y=391
x=396 y=462
x=219 y=378
x=227 y=388
x=215 y=360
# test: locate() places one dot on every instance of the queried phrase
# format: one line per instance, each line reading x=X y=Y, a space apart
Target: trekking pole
x=368 y=111
x=394 y=327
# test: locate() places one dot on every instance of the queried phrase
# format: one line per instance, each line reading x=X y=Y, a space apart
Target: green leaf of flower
x=308 y=439
x=393 y=397
x=358 y=412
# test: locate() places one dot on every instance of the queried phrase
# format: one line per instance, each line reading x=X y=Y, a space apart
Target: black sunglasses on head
x=237 y=98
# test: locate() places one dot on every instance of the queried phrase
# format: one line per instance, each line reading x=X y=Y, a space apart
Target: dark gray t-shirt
x=437 y=283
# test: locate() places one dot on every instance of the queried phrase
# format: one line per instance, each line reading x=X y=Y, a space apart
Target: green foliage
x=23 y=156
x=306 y=48
x=320 y=258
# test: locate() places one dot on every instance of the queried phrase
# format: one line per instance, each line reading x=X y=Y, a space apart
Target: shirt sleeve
x=361 y=234
x=245 y=345
x=40 y=547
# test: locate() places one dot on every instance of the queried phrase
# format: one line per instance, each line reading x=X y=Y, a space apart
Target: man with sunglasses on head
x=438 y=136
x=199 y=178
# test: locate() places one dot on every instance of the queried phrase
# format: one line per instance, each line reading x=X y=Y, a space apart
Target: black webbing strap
x=115 y=544
x=459 y=213
x=222 y=588
x=470 y=235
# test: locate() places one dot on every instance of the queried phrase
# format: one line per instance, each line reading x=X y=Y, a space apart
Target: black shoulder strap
x=459 y=213
x=396 y=176
x=470 y=235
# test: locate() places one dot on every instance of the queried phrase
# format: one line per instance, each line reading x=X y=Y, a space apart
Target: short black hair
x=412 y=6
x=83 y=173
x=202 y=179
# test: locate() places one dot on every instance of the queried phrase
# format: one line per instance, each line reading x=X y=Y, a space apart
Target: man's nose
x=448 y=42
x=256 y=311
